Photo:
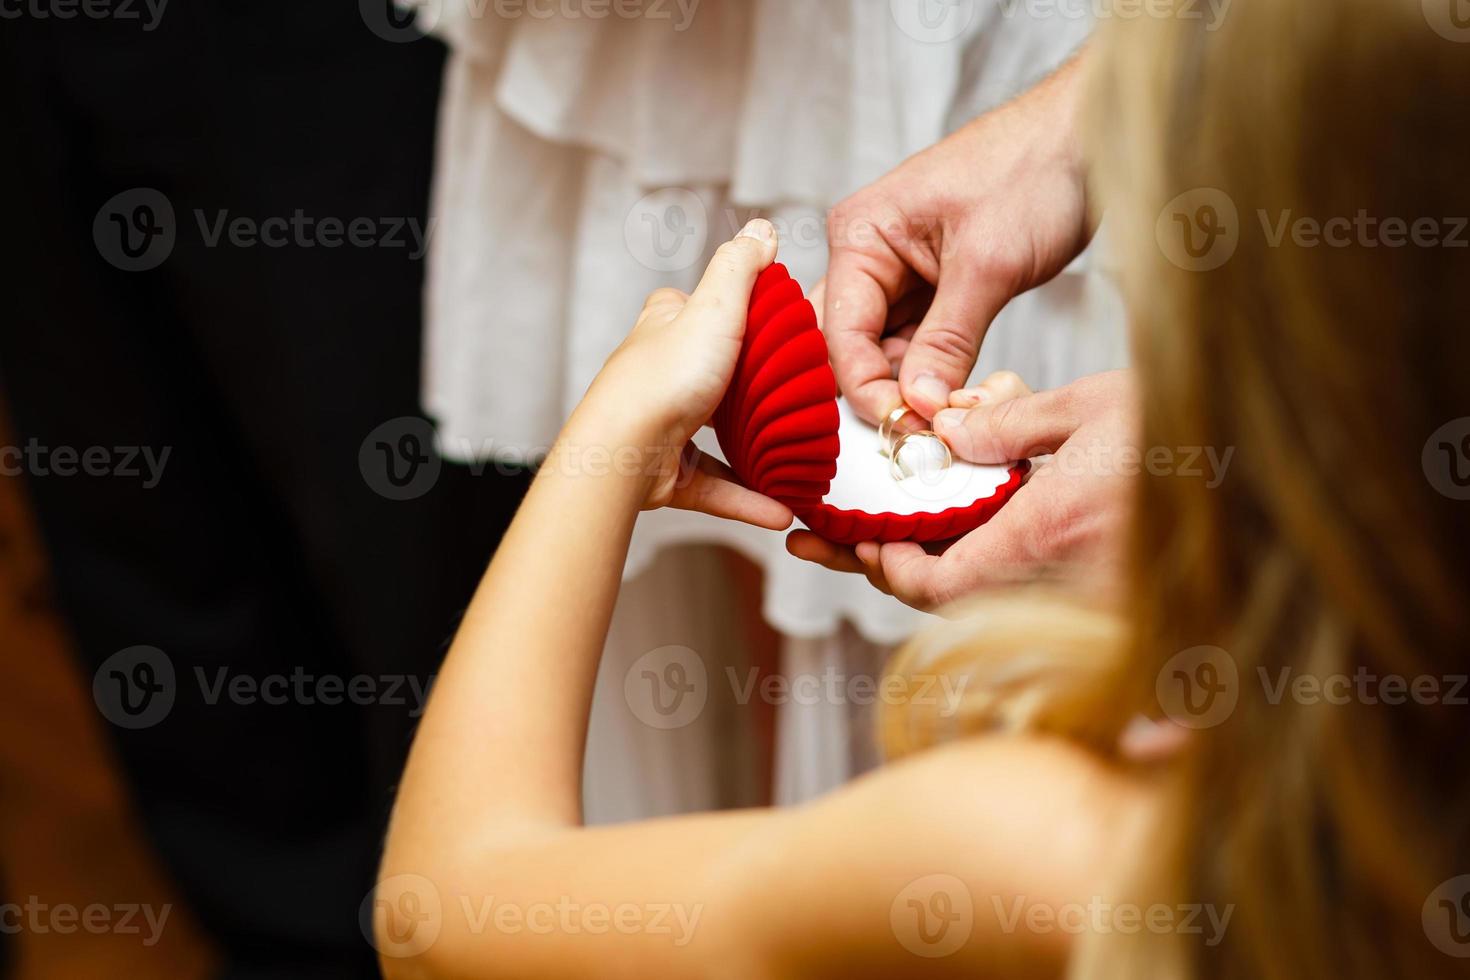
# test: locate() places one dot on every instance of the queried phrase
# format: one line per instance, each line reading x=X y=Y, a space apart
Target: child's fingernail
x=760 y=229
x=867 y=552
x=931 y=388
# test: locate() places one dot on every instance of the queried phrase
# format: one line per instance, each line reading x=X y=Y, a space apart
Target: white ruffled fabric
x=584 y=162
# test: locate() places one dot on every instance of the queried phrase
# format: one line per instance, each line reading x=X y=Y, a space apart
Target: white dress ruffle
x=584 y=162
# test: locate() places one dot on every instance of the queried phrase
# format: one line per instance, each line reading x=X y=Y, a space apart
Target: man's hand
x=924 y=259
x=1071 y=511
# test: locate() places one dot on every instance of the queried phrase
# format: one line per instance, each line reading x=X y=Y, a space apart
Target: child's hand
x=669 y=375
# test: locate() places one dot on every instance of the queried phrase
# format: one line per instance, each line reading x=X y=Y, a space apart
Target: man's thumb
x=942 y=353
x=1020 y=428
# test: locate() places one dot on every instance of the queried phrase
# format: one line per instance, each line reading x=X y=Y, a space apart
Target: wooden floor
x=67 y=837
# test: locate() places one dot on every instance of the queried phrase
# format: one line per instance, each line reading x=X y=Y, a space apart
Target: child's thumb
x=731 y=275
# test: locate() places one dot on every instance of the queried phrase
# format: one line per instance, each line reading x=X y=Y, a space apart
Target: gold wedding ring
x=901 y=469
x=885 y=428
x=892 y=445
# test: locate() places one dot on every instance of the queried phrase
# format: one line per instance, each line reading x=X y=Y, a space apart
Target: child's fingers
x=665 y=299
x=710 y=488
x=728 y=281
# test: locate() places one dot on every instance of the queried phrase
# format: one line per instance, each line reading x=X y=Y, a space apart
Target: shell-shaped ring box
x=787 y=434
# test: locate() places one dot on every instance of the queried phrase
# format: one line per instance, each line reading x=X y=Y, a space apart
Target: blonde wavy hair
x=1328 y=549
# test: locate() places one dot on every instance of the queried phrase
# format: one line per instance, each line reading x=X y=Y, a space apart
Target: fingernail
x=950 y=418
x=950 y=425
x=932 y=390
x=968 y=397
x=760 y=229
x=867 y=552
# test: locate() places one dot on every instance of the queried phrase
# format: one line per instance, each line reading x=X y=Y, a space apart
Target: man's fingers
x=868 y=553
x=818 y=298
x=809 y=547
x=1015 y=429
x=944 y=348
x=731 y=274
x=1001 y=386
x=1000 y=551
x=855 y=310
x=864 y=373
x=912 y=574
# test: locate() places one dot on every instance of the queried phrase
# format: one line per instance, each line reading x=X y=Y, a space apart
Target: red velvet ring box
x=787 y=434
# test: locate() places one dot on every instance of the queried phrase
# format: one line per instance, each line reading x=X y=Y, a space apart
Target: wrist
x=1065 y=91
x=612 y=438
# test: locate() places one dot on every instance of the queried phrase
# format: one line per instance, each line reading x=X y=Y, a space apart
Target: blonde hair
x=1326 y=550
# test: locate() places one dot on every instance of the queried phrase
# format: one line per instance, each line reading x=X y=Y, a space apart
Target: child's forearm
x=498 y=757
x=501 y=744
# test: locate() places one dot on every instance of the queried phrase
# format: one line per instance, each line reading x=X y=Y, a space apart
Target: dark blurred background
x=218 y=491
